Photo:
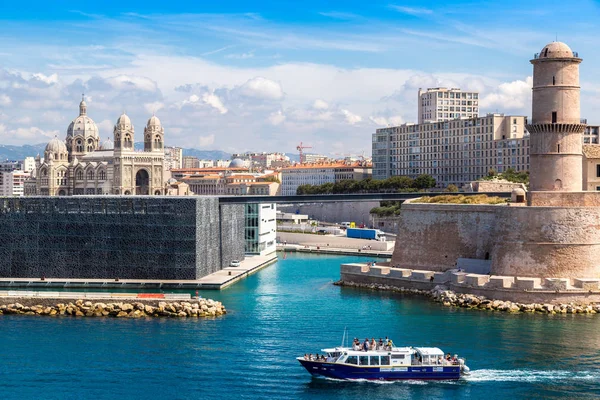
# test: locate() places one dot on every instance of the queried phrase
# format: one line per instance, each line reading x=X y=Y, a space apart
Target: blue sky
x=264 y=75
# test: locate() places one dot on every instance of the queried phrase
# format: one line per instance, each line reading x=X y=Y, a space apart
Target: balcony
x=537 y=55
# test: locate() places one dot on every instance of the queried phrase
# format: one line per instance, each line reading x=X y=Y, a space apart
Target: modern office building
x=442 y=104
x=110 y=237
x=452 y=152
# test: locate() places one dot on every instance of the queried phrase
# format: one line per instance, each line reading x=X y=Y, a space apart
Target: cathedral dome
x=56 y=146
x=123 y=120
x=107 y=145
x=556 y=50
x=236 y=163
x=82 y=125
x=153 y=121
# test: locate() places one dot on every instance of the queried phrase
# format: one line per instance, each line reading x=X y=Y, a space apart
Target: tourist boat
x=387 y=363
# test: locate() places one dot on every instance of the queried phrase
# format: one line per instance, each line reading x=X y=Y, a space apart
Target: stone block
x=384 y=271
x=501 y=282
x=587 y=284
x=526 y=283
x=400 y=273
x=441 y=277
x=556 y=283
x=458 y=277
x=352 y=268
x=422 y=275
x=365 y=269
x=476 y=279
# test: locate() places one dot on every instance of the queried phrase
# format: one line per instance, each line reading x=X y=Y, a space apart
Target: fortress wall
x=547 y=242
x=521 y=241
x=434 y=236
x=564 y=199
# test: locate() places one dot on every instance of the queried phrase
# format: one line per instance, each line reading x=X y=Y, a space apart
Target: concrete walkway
x=215 y=281
x=333 y=250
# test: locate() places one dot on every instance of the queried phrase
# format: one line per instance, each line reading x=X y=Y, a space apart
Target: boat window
x=374 y=360
x=385 y=360
x=398 y=357
x=352 y=360
x=364 y=360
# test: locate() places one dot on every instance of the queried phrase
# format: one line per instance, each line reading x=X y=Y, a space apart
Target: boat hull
x=387 y=373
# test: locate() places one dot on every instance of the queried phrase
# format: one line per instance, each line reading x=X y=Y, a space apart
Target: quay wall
x=324 y=241
x=128 y=237
x=515 y=289
x=519 y=240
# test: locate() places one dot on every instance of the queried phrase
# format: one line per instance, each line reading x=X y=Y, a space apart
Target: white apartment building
x=452 y=152
x=320 y=173
x=173 y=158
x=309 y=158
x=263 y=159
x=28 y=164
x=260 y=228
x=442 y=104
x=13 y=183
x=591 y=133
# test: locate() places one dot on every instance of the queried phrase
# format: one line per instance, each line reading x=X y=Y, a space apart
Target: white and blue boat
x=385 y=363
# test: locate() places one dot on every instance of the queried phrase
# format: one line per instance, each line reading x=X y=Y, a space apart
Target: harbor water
x=288 y=309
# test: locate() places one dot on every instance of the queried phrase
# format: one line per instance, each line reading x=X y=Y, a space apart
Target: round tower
x=556 y=129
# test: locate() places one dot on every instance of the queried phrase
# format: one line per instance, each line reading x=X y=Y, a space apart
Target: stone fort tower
x=556 y=129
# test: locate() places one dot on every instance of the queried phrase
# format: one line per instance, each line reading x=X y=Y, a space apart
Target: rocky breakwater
x=449 y=298
x=81 y=308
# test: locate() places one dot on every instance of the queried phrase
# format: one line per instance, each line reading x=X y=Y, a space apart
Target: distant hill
x=18 y=153
x=10 y=152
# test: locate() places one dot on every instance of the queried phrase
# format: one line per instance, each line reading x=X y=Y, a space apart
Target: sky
x=266 y=75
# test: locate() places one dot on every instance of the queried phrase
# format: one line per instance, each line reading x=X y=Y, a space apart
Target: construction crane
x=300 y=149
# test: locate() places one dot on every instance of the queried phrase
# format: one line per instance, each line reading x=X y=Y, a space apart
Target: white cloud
x=129 y=82
x=509 y=96
x=351 y=118
x=391 y=121
x=49 y=80
x=241 y=56
x=320 y=105
x=154 y=106
x=214 y=101
x=4 y=100
x=261 y=88
x=412 y=10
x=276 y=118
x=204 y=141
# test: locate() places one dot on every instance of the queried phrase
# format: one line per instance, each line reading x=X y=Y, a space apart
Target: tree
x=424 y=181
x=452 y=188
x=492 y=172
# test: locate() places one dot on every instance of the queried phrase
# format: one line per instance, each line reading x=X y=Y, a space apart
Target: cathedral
x=81 y=165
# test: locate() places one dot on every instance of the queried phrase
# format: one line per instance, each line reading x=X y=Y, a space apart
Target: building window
x=597 y=170
x=90 y=175
x=553 y=117
x=80 y=175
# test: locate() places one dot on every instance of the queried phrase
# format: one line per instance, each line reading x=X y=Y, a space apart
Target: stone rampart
x=435 y=236
x=506 y=288
x=519 y=241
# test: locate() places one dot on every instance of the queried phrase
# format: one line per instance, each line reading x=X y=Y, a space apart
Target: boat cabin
x=398 y=356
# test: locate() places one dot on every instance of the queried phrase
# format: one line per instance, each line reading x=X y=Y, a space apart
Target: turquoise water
x=283 y=311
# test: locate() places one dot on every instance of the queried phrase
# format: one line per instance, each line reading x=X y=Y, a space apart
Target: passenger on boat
x=305 y=356
x=366 y=345
x=380 y=344
x=355 y=345
x=310 y=357
x=389 y=345
x=373 y=344
x=455 y=359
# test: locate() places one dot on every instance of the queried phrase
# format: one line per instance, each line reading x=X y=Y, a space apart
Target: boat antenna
x=343 y=337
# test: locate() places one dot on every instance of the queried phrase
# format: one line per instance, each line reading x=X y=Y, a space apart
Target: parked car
x=234 y=263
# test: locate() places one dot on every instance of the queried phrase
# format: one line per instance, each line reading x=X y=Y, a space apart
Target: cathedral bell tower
x=556 y=129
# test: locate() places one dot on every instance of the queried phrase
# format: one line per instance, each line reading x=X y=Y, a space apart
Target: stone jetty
x=449 y=298
x=201 y=308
